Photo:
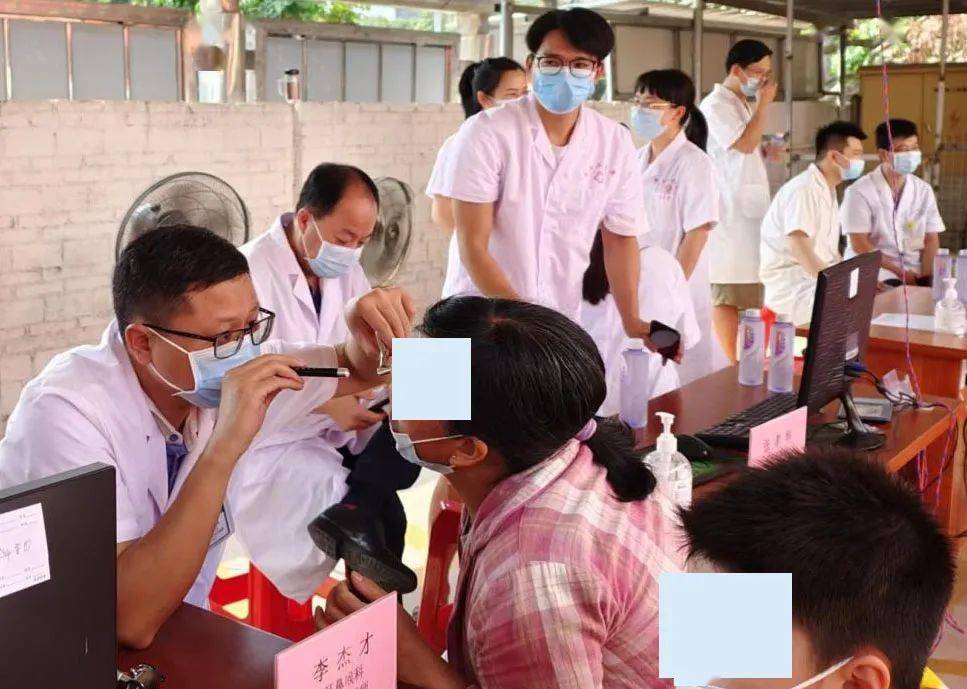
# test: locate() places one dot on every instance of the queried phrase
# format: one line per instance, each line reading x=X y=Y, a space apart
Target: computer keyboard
x=733 y=432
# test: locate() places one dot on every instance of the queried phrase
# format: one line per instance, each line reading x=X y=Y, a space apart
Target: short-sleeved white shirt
x=435 y=185
x=546 y=211
x=743 y=186
x=868 y=208
x=807 y=204
x=663 y=296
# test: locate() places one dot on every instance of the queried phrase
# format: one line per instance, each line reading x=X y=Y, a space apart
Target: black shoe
x=350 y=533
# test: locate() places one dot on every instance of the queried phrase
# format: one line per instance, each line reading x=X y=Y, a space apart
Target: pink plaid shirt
x=558 y=584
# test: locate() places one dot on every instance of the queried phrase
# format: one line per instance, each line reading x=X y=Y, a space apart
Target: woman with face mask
x=566 y=533
x=681 y=194
x=486 y=84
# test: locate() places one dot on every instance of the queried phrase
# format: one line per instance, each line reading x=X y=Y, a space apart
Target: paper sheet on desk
x=23 y=550
x=899 y=320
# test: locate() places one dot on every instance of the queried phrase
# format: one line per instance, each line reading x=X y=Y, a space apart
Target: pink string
x=922 y=470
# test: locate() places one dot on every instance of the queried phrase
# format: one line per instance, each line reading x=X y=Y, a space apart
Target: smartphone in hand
x=667 y=341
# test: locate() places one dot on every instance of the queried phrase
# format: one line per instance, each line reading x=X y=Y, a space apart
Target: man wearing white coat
x=891 y=204
x=800 y=233
x=305 y=269
x=183 y=383
x=735 y=131
x=532 y=180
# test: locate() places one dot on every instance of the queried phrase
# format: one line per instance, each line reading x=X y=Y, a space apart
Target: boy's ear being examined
x=867 y=670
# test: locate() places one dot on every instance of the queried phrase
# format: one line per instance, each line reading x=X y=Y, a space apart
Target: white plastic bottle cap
x=751 y=313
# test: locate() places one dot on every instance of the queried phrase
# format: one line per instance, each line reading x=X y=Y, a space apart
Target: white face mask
x=405 y=446
x=802 y=685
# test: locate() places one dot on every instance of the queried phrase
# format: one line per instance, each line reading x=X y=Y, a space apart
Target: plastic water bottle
x=943 y=267
x=752 y=332
x=949 y=314
x=962 y=275
x=670 y=467
x=781 y=355
x=635 y=387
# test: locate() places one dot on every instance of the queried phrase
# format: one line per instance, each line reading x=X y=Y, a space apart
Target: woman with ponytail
x=566 y=534
x=485 y=84
x=681 y=194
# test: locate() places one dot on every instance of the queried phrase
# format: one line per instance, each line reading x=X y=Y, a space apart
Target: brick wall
x=69 y=172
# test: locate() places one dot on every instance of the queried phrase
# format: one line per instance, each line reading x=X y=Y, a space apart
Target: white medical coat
x=546 y=212
x=868 y=208
x=743 y=185
x=663 y=295
x=805 y=203
x=88 y=406
x=681 y=193
x=281 y=489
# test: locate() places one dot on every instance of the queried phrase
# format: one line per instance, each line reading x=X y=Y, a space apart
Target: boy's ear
x=868 y=670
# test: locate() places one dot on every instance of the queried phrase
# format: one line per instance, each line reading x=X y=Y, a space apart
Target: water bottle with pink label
x=752 y=332
x=781 y=355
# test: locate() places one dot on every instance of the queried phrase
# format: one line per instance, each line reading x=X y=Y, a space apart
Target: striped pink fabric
x=559 y=582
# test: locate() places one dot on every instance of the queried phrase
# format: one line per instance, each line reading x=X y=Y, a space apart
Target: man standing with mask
x=183 y=385
x=735 y=129
x=305 y=269
x=532 y=181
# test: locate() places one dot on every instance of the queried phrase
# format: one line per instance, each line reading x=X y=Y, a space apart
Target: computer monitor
x=59 y=631
x=838 y=334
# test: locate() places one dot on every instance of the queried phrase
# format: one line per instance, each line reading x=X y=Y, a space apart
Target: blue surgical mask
x=906 y=162
x=855 y=169
x=646 y=122
x=751 y=86
x=562 y=93
x=406 y=447
x=208 y=372
x=333 y=260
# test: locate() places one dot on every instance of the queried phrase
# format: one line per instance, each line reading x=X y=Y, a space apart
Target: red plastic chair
x=268 y=609
x=435 y=605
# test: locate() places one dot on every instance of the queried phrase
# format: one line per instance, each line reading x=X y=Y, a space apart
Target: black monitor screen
x=839 y=329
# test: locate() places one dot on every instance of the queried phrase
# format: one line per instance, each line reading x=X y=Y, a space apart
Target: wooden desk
x=708 y=400
x=938 y=358
x=197 y=649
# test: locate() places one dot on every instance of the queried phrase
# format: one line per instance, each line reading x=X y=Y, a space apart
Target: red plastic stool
x=268 y=609
x=435 y=606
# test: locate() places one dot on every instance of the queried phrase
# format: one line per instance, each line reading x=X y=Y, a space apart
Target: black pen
x=310 y=372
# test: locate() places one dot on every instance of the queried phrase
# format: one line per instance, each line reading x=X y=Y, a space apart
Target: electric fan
x=186 y=198
x=386 y=251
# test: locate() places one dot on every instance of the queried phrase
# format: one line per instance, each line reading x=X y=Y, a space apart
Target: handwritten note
x=785 y=434
x=23 y=550
x=358 y=652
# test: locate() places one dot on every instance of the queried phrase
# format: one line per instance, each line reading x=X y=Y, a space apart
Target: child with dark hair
x=800 y=232
x=487 y=84
x=872 y=573
x=893 y=211
x=566 y=533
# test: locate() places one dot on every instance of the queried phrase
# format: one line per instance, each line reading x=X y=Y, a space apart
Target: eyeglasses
x=581 y=68
x=653 y=105
x=228 y=343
